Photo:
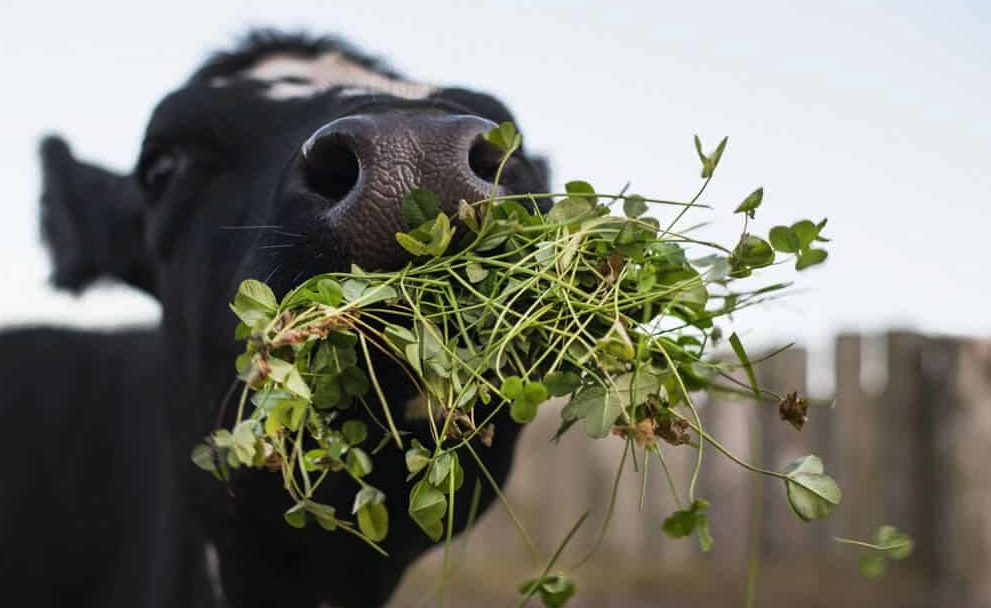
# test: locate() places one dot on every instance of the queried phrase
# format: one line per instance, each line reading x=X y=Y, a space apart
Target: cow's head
x=284 y=158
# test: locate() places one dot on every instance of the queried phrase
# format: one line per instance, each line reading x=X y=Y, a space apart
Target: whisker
x=272 y=274
x=291 y=234
x=283 y=246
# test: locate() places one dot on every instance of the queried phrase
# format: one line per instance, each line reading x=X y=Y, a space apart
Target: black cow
x=284 y=158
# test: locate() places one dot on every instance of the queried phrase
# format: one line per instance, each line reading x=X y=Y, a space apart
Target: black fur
x=87 y=493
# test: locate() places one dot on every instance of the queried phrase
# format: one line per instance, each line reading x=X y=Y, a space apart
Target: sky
x=871 y=114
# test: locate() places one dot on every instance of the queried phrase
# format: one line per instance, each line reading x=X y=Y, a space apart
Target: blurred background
x=873 y=115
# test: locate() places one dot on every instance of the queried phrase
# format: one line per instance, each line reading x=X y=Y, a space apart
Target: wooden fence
x=914 y=452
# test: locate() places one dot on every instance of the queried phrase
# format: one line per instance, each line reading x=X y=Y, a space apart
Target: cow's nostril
x=484 y=159
x=331 y=167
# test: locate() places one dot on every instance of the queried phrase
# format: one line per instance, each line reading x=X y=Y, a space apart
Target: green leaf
x=411 y=244
x=741 y=354
x=709 y=163
x=634 y=206
x=359 y=463
x=512 y=387
x=475 y=272
x=329 y=392
x=244 y=441
x=616 y=344
x=630 y=233
x=367 y=496
x=717 y=155
x=256 y=294
x=754 y=251
x=202 y=457
x=784 y=239
x=323 y=514
x=894 y=543
x=444 y=466
x=431 y=238
x=811 y=493
x=524 y=406
x=314 y=460
x=440 y=469
x=598 y=408
x=523 y=411
x=819 y=228
x=353 y=288
x=354 y=431
x=254 y=303
x=751 y=203
x=377 y=293
x=427 y=506
x=355 y=382
x=419 y=206
x=562 y=383
x=554 y=591
x=688 y=521
x=569 y=210
x=702 y=156
x=467 y=214
x=503 y=137
x=810 y=257
x=417 y=457
x=296 y=414
x=242 y=332
x=872 y=564
x=278 y=417
x=806 y=232
x=329 y=292
x=810 y=464
x=581 y=190
x=296 y=515
x=336 y=447
x=702 y=529
x=373 y=521
x=534 y=392
x=287 y=375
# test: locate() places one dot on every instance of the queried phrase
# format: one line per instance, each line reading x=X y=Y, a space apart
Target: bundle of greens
x=506 y=307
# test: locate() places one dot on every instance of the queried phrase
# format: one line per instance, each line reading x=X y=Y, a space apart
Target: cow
x=284 y=157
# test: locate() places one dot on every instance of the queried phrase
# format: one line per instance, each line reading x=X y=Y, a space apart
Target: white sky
x=876 y=117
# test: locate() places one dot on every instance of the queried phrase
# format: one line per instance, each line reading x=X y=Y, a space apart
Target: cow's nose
x=363 y=166
x=380 y=157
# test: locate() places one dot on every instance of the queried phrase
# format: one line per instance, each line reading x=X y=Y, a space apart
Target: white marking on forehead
x=291 y=76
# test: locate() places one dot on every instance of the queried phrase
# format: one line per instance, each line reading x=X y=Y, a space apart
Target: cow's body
x=283 y=159
x=87 y=497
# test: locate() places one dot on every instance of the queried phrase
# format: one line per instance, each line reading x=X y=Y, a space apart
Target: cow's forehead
x=291 y=76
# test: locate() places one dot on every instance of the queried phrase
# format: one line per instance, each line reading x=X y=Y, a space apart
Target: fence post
x=958 y=375
x=905 y=441
x=783 y=535
x=728 y=487
x=855 y=450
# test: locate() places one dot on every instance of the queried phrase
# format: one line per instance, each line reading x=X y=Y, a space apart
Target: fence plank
x=854 y=453
x=958 y=374
x=783 y=535
x=904 y=443
x=724 y=483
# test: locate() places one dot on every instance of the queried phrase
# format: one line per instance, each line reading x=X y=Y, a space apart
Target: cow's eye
x=157 y=170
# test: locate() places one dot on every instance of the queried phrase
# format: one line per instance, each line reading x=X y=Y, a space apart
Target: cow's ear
x=92 y=222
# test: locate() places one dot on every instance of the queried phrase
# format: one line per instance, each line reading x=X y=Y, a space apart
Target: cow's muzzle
x=363 y=165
